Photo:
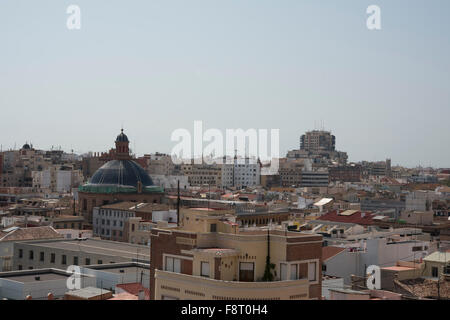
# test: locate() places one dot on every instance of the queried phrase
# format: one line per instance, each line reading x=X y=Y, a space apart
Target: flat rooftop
x=397 y=268
x=28 y=276
x=95 y=246
x=117 y=269
x=88 y=292
x=48 y=276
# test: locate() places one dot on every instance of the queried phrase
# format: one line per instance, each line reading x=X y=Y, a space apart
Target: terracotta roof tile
x=356 y=218
x=134 y=288
x=32 y=233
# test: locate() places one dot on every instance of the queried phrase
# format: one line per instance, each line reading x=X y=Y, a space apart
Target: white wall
x=164 y=216
x=331 y=284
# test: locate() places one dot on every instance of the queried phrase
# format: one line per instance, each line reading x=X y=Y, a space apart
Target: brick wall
x=165 y=242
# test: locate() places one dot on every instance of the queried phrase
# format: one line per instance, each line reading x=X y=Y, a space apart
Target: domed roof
x=121 y=173
x=122 y=137
x=26 y=146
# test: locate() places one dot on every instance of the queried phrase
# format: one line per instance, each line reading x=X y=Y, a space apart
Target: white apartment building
x=56 y=179
x=383 y=252
x=241 y=173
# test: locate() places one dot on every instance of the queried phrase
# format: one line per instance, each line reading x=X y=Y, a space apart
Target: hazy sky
x=158 y=65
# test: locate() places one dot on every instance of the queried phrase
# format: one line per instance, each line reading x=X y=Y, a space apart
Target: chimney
x=141 y=295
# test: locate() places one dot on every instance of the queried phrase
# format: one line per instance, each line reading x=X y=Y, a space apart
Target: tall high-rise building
x=317 y=140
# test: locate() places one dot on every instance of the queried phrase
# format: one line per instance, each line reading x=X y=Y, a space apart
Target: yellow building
x=211 y=258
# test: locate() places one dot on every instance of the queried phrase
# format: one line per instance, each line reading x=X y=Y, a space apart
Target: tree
x=268 y=275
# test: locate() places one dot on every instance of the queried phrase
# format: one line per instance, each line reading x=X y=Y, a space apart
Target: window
x=41 y=258
x=52 y=258
x=99 y=262
x=20 y=267
x=312 y=271
x=31 y=255
x=204 y=272
x=87 y=261
x=20 y=253
x=213 y=227
x=75 y=261
x=63 y=259
x=246 y=271
x=283 y=271
x=434 y=272
x=294 y=272
x=419 y=248
x=173 y=264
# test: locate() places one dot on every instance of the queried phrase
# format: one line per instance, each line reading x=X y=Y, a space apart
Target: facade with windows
x=241 y=173
x=109 y=223
x=437 y=264
x=224 y=265
x=112 y=222
x=62 y=253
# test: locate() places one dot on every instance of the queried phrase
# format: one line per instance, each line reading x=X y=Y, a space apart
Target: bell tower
x=122 y=147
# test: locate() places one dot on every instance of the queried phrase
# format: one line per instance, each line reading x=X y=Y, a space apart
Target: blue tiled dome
x=121 y=173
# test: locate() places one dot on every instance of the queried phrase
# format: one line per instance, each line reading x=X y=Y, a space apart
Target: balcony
x=170 y=285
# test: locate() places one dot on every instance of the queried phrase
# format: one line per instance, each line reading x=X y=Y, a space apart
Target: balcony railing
x=184 y=286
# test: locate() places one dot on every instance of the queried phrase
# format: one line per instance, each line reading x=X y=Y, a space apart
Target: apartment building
x=57 y=178
x=202 y=174
x=210 y=257
x=354 y=256
x=318 y=178
x=350 y=173
x=160 y=164
x=18 y=166
x=138 y=230
x=12 y=236
x=241 y=173
x=110 y=221
x=291 y=173
x=225 y=266
x=61 y=253
x=378 y=168
x=317 y=140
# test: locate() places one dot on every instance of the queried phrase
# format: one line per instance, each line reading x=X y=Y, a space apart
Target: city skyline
x=18 y=146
